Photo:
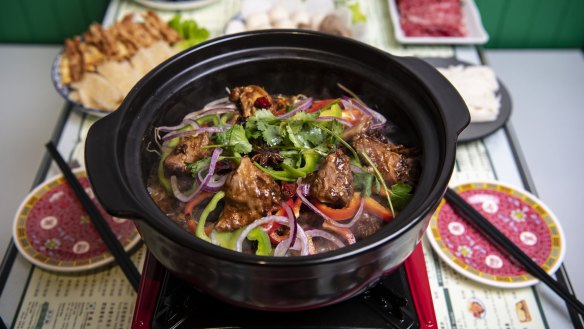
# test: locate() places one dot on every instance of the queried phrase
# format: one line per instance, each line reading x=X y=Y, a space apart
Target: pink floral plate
x=53 y=231
x=518 y=214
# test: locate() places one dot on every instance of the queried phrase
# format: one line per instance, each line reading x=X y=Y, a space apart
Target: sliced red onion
x=281 y=249
x=186 y=198
x=300 y=192
x=325 y=235
x=377 y=125
x=293 y=224
x=302 y=107
x=181 y=125
x=378 y=117
x=301 y=242
x=346 y=104
x=220 y=101
x=304 y=188
x=166 y=129
x=215 y=183
x=219 y=106
x=211 y=111
x=330 y=118
x=170 y=136
x=264 y=220
x=183 y=197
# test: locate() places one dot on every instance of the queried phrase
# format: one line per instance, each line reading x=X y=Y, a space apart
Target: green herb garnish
x=189 y=31
x=381 y=180
x=400 y=195
x=234 y=139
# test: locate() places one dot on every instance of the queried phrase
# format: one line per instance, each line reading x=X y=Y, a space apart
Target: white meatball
x=315 y=21
x=301 y=18
x=285 y=24
x=278 y=13
x=235 y=26
x=257 y=20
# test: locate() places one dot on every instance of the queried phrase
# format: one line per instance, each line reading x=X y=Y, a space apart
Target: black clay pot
x=427 y=109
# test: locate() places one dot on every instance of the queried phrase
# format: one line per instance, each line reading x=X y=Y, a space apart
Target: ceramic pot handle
x=449 y=101
x=103 y=169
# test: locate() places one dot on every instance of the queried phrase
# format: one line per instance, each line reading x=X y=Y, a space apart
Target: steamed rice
x=478 y=87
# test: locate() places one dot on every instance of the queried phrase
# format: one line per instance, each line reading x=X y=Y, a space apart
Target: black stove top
x=385 y=305
x=166 y=302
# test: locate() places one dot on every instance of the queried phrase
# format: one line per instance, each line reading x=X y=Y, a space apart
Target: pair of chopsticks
x=99 y=222
x=472 y=216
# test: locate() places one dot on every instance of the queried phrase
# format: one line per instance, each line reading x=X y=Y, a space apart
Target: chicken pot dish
x=282 y=175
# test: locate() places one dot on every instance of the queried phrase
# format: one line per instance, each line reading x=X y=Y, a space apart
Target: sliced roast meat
x=333 y=183
x=249 y=194
x=187 y=151
x=247 y=96
x=396 y=163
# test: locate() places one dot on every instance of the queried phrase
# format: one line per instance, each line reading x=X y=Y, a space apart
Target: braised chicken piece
x=249 y=98
x=249 y=195
x=99 y=37
x=73 y=61
x=334 y=182
x=187 y=151
x=156 y=26
x=396 y=163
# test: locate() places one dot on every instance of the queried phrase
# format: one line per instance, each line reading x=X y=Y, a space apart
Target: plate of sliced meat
x=96 y=70
x=437 y=22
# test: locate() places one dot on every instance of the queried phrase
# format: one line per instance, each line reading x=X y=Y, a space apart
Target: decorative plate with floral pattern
x=518 y=214
x=53 y=230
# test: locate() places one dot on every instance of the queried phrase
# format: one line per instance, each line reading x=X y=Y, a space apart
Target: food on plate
x=477 y=308
x=281 y=175
x=522 y=311
x=103 y=65
x=432 y=18
x=318 y=15
x=478 y=87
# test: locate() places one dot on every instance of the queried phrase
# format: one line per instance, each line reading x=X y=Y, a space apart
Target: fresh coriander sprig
x=380 y=179
x=340 y=139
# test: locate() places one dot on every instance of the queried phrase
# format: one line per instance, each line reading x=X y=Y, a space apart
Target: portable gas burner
x=400 y=300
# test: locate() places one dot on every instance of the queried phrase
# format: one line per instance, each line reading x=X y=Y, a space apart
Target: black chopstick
x=106 y=234
x=466 y=211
